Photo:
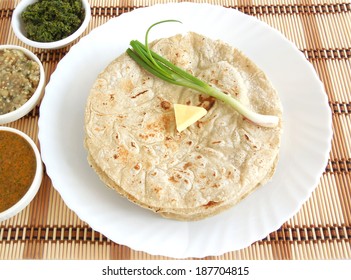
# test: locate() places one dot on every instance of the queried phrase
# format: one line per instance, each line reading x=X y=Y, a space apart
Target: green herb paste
x=52 y=20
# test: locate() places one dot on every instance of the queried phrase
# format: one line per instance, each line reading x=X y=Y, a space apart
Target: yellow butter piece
x=187 y=115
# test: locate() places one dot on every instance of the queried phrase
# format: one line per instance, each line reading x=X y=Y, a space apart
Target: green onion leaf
x=167 y=71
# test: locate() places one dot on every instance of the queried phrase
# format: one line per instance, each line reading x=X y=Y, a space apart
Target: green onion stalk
x=167 y=71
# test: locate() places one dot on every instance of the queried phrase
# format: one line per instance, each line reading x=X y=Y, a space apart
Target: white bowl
x=33 y=189
x=17 y=26
x=30 y=104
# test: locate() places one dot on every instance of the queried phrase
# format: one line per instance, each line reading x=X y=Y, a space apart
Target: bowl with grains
x=22 y=79
x=50 y=24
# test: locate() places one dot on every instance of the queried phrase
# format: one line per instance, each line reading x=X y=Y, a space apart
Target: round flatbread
x=134 y=147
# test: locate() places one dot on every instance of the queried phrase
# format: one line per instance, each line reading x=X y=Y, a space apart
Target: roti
x=134 y=147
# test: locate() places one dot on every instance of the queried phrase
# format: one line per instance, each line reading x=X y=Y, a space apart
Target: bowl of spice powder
x=50 y=24
x=21 y=171
x=22 y=80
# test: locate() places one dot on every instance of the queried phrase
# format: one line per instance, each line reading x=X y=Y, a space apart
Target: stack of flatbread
x=134 y=147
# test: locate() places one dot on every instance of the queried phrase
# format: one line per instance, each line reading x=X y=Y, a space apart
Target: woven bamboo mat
x=48 y=229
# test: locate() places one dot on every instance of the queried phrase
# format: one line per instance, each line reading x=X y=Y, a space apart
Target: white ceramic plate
x=304 y=151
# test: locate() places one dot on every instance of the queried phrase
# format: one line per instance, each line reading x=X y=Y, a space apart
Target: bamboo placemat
x=48 y=229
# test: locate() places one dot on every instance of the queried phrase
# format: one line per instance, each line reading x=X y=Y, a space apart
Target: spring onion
x=164 y=69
